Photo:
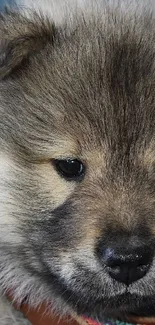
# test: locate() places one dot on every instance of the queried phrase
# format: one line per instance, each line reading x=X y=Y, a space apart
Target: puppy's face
x=77 y=164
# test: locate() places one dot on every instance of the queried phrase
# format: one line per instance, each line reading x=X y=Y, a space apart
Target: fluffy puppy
x=77 y=157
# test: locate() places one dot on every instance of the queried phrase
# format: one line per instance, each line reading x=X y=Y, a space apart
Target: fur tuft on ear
x=20 y=37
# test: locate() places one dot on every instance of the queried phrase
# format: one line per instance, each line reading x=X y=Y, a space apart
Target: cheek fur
x=9 y=205
x=53 y=187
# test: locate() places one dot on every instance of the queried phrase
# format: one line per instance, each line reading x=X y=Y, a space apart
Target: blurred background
x=4 y=2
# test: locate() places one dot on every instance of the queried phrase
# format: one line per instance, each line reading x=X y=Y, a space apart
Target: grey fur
x=83 y=87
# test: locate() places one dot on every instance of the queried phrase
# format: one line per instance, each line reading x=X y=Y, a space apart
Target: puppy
x=77 y=157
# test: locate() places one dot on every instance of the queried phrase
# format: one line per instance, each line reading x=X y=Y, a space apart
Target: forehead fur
x=93 y=84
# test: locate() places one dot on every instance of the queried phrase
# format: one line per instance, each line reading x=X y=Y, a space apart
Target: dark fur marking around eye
x=56 y=228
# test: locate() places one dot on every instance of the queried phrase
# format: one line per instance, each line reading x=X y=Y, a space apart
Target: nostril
x=118 y=268
x=115 y=270
x=128 y=275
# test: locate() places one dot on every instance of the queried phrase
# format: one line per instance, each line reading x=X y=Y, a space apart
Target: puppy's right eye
x=70 y=169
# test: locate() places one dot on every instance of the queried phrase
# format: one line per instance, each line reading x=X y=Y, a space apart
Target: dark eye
x=70 y=169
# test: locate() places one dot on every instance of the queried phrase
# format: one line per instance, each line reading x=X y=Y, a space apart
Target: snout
x=126 y=260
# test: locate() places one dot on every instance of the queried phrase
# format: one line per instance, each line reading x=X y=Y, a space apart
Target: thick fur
x=10 y=316
x=78 y=85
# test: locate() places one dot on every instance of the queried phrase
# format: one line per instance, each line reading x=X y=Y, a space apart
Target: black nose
x=127 y=265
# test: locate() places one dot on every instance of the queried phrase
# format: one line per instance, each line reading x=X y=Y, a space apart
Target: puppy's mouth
x=88 y=304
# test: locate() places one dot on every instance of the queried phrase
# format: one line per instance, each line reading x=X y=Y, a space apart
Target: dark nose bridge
x=127 y=238
x=127 y=209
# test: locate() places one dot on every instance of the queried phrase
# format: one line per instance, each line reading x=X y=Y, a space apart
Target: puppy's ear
x=20 y=37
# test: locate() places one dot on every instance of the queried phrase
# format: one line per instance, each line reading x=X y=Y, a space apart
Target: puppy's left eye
x=70 y=169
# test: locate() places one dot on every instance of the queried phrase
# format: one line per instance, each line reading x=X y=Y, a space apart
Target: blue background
x=4 y=2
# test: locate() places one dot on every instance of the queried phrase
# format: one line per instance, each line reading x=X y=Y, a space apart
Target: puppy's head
x=77 y=127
